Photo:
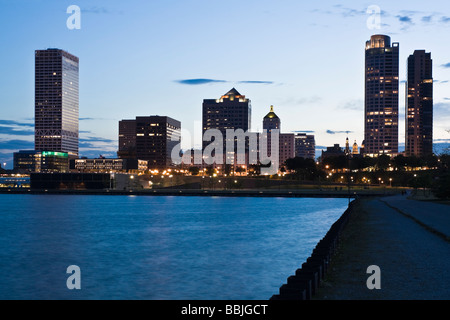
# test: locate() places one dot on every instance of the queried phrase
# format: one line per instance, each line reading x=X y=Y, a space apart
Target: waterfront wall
x=306 y=281
x=291 y=193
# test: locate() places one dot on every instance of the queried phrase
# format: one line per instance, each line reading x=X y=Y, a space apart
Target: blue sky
x=143 y=58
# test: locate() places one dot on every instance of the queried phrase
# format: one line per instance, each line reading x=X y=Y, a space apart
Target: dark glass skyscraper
x=56 y=101
x=230 y=111
x=381 y=96
x=127 y=139
x=419 y=105
x=149 y=138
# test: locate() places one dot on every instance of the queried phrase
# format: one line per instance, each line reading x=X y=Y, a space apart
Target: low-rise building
x=33 y=161
x=103 y=165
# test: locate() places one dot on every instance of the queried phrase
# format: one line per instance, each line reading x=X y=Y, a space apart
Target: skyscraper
x=56 y=101
x=419 y=105
x=127 y=139
x=305 y=146
x=231 y=111
x=154 y=139
x=381 y=96
x=286 y=142
x=271 y=121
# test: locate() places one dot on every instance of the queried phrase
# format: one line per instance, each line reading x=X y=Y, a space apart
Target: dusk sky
x=141 y=58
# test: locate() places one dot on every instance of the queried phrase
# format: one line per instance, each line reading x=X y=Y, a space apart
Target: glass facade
x=56 y=101
x=149 y=138
x=419 y=105
x=31 y=161
x=381 y=96
x=231 y=111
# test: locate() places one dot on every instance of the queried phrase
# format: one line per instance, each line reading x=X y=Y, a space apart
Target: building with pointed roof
x=271 y=121
x=355 y=148
x=231 y=111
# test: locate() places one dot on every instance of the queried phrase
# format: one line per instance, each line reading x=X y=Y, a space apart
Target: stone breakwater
x=306 y=281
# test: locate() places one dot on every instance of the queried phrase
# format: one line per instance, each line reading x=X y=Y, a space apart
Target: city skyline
x=305 y=59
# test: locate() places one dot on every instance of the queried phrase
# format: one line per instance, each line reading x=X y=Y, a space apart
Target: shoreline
x=409 y=240
x=307 y=280
x=288 y=193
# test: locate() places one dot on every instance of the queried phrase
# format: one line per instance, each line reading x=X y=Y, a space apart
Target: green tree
x=194 y=171
x=400 y=162
x=441 y=187
x=383 y=162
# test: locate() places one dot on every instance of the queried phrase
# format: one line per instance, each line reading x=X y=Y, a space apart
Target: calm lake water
x=130 y=247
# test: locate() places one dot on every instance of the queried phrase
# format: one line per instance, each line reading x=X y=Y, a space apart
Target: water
x=172 y=248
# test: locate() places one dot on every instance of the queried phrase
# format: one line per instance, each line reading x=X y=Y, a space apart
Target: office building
x=286 y=142
x=127 y=139
x=334 y=151
x=287 y=147
x=305 y=146
x=56 y=101
x=103 y=165
x=419 y=105
x=33 y=161
x=231 y=111
x=381 y=96
x=271 y=121
x=155 y=138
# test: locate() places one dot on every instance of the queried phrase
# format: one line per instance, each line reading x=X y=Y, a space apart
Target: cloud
x=349 y=12
x=445 y=65
x=99 y=10
x=96 y=154
x=445 y=19
x=201 y=81
x=303 y=131
x=441 y=110
x=301 y=101
x=16 y=145
x=16 y=123
x=336 y=132
x=14 y=131
x=97 y=139
x=97 y=144
x=427 y=19
x=405 y=19
x=256 y=82
x=354 y=105
x=194 y=82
